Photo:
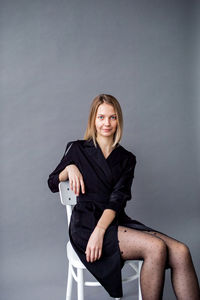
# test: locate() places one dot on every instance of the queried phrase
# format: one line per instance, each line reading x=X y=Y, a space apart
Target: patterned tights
x=159 y=251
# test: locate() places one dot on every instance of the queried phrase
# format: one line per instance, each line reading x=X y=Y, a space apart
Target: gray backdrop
x=56 y=56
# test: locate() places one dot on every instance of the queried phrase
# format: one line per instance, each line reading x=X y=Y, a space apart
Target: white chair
x=68 y=198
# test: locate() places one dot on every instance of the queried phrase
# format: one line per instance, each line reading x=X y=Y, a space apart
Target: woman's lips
x=106 y=129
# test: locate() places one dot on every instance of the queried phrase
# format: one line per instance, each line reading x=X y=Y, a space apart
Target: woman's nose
x=107 y=121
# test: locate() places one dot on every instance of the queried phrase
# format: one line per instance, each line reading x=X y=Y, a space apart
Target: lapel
x=96 y=155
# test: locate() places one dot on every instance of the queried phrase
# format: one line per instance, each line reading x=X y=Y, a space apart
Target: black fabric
x=107 y=185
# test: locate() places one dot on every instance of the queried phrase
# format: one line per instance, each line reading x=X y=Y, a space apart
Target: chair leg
x=139 y=286
x=69 y=283
x=80 y=284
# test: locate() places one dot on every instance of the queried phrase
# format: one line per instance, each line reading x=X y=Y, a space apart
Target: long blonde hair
x=90 y=132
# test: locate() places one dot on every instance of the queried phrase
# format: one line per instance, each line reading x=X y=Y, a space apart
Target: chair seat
x=75 y=261
x=73 y=257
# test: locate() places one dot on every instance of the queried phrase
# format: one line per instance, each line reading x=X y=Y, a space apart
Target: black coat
x=107 y=185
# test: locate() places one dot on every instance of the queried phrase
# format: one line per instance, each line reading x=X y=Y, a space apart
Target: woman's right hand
x=75 y=179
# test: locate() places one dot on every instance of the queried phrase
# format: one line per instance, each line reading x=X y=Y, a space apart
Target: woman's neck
x=105 y=144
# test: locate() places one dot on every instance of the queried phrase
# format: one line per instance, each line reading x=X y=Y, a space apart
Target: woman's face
x=106 y=120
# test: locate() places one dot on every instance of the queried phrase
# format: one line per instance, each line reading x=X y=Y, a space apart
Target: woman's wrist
x=101 y=228
x=63 y=176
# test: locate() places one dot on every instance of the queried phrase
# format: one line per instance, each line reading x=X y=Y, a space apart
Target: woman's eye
x=112 y=117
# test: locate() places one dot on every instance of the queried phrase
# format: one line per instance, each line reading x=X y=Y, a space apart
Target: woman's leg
x=183 y=275
x=135 y=244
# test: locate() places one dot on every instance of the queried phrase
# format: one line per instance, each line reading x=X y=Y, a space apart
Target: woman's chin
x=106 y=134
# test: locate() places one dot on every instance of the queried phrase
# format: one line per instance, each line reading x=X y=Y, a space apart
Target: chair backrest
x=67 y=197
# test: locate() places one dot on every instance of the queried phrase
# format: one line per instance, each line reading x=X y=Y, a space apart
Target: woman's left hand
x=94 y=245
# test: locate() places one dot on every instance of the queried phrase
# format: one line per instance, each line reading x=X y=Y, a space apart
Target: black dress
x=107 y=185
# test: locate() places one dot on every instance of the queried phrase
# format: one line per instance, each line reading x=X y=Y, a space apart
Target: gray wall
x=56 y=56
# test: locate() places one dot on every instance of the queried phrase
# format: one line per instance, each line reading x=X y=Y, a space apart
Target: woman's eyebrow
x=110 y=115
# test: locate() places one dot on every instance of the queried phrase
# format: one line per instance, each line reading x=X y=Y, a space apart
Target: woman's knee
x=157 y=251
x=182 y=253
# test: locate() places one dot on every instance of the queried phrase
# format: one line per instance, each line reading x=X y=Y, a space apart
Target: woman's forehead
x=105 y=108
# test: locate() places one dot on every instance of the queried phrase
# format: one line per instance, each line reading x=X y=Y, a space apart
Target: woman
x=100 y=172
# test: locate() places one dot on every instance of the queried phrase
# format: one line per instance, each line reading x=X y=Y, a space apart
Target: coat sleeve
x=122 y=189
x=66 y=160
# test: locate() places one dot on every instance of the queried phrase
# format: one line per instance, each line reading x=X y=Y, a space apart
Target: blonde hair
x=90 y=132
